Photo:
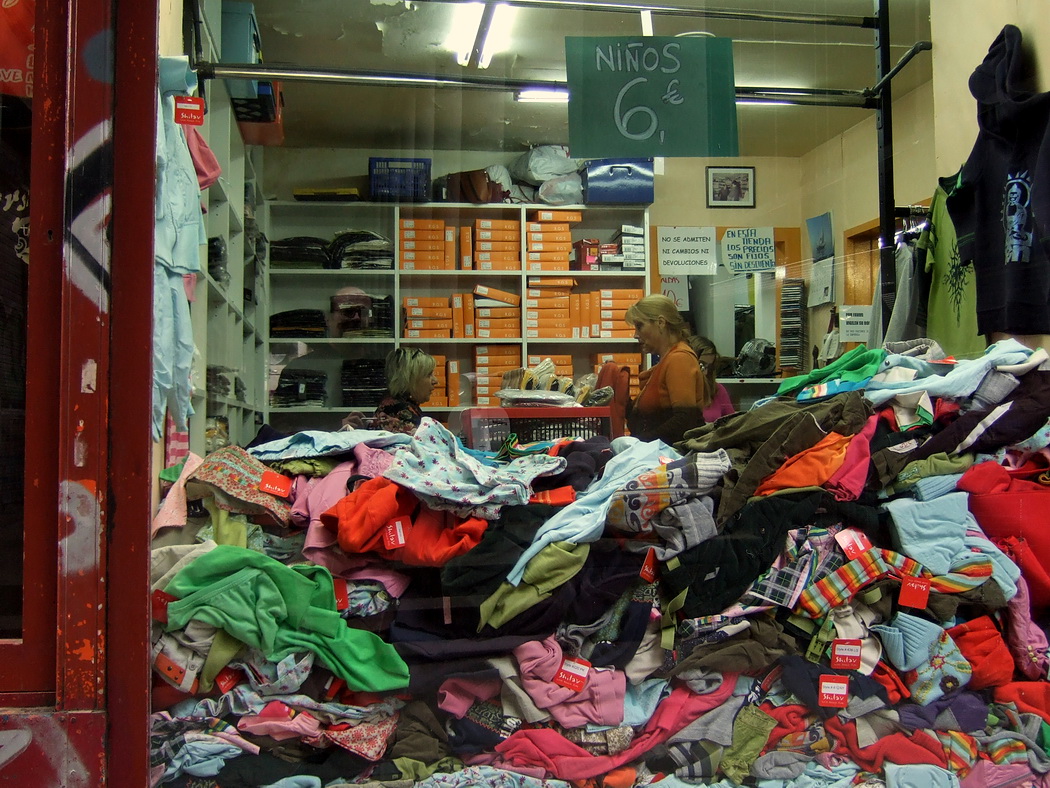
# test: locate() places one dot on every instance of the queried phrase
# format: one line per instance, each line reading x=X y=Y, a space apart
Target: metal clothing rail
x=782 y=95
x=869 y=22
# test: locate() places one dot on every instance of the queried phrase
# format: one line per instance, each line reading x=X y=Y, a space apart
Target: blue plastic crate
x=399 y=180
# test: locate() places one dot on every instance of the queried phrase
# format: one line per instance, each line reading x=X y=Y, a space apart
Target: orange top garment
x=669 y=403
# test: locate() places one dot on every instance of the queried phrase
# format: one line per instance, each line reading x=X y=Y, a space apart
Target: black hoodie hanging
x=1001 y=208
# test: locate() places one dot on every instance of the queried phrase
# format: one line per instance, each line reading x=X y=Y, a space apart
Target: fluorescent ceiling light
x=546 y=95
x=466 y=20
x=759 y=103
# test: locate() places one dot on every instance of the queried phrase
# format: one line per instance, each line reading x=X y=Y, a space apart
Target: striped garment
x=960 y=749
x=967 y=572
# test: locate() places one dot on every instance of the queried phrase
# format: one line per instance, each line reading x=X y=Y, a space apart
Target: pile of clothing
x=845 y=585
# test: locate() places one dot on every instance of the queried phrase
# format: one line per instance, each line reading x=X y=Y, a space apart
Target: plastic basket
x=399 y=180
x=487 y=428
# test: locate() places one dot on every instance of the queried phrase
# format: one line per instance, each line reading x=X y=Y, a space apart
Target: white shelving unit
x=312 y=289
x=225 y=311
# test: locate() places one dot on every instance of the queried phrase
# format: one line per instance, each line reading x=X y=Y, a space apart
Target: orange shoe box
x=422 y=224
x=498 y=295
x=544 y=215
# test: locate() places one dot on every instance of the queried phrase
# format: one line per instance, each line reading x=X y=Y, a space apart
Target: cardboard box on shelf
x=498 y=333
x=422 y=246
x=421 y=224
x=562 y=360
x=425 y=333
x=498 y=350
x=497 y=265
x=497 y=246
x=437 y=234
x=536 y=240
x=496 y=235
x=547 y=292
x=425 y=301
x=499 y=295
x=466 y=249
x=499 y=323
x=552 y=302
x=497 y=224
x=551 y=215
x=498 y=312
x=547 y=227
x=552 y=282
x=566 y=332
x=425 y=265
x=548 y=265
x=551 y=313
x=431 y=312
x=428 y=323
x=631 y=294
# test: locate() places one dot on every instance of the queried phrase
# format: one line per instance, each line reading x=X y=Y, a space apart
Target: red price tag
x=852 y=542
x=572 y=674
x=915 y=592
x=394 y=534
x=189 y=110
x=275 y=484
x=833 y=691
x=158 y=603
x=332 y=687
x=648 y=573
x=845 y=653
x=342 y=598
x=228 y=678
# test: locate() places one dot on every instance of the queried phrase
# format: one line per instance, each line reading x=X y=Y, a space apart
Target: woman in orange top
x=672 y=392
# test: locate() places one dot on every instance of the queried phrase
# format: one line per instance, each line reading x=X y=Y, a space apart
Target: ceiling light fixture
x=479 y=31
x=542 y=95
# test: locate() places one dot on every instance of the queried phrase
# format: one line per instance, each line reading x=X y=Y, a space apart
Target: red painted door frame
x=83 y=662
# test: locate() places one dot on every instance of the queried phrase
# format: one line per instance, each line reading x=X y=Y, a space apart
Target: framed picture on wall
x=730 y=187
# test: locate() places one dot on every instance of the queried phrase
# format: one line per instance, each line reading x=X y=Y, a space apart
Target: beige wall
x=962 y=32
x=681 y=193
x=170 y=33
x=842 y=175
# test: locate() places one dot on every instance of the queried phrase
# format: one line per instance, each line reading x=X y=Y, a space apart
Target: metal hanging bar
x=916 y=48
x=679 y=10
x=782 y=95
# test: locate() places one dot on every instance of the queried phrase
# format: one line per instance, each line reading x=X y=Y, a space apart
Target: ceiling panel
x=399 y=37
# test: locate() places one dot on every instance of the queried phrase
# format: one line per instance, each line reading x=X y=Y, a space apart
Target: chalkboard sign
x=646 y=96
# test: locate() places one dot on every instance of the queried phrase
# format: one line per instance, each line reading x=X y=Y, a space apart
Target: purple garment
x=600 y=702
x=962 y=711
x=721 y=404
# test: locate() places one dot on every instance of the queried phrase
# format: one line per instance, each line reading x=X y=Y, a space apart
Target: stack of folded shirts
x=302 y=251
x=361 y=249
x=299 y=324
x=363 y=382
x=299 y=387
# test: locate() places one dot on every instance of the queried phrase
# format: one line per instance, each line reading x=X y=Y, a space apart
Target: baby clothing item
x=931 y=663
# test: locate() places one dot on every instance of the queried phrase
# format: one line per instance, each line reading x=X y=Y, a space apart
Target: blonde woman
x=673 y=391
x=410 y=381
x=717 y=402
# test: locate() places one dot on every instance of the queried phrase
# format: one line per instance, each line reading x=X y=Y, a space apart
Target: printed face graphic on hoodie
x=1017 y=218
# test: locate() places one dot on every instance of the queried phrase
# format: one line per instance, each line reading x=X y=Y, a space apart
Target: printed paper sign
x=833 y=691
x=275 y=484
x=189 y=110
x=648 y=573
x=677 y=289
x=854 y=323
x=688 y=251
x=749 y=249
x=572 y=674
x=915 y=592
x=852 y=542
x=845 y=653
x=394 y=534
x=342 y=597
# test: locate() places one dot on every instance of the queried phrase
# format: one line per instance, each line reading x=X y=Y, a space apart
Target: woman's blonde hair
x=404 y=367
x=653 y=307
